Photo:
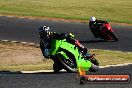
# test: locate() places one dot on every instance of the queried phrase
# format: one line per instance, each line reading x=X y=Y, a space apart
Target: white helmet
x=46 y=28
x=92 y=19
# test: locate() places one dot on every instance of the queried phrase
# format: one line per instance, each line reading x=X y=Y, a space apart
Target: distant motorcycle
x=107 y=33
x=68 y=56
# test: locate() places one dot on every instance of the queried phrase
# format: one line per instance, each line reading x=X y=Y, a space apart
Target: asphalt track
x=61 y=80
x=27 y=30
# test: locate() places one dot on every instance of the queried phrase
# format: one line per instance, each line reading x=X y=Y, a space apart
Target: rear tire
x=82 y=80
x=95 y=65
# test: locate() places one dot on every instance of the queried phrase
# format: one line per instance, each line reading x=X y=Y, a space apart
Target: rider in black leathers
x=47 y=36
x=95 y=26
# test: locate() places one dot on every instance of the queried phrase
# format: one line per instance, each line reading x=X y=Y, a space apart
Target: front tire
x=68 y=64
x=56 y=68
x=113 y=36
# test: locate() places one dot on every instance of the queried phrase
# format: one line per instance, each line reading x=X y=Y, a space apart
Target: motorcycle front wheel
x=113 y=36
x=68 y=64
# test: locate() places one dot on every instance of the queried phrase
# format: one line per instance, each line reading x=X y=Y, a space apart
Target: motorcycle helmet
x=44 y=31
x=92 y=19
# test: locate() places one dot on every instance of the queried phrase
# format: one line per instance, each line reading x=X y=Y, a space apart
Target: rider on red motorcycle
x=95 y=26
x=44 y=31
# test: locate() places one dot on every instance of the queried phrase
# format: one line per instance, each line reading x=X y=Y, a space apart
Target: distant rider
x=95 y=26
x=47 y=36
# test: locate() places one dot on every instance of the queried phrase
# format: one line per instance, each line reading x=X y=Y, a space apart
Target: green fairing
x=56 y=45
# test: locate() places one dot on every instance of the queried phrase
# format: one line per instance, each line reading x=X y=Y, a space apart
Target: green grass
x=18 y=57
x=111 y=10
x=109 y=57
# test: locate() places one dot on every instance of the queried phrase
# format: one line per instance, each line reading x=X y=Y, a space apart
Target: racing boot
x=89 y=57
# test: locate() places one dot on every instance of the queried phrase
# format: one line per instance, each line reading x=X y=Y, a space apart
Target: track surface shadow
x=10 y=72
x=19 y=72
x=96 y=41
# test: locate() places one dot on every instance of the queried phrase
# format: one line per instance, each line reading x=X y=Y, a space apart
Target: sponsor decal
x=82 y=78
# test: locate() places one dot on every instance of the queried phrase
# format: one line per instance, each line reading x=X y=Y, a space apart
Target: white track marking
x=117 y=65
x=107 y=66
x=5 y=40
x=39 y=71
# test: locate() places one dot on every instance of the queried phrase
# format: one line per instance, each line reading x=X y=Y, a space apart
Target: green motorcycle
x=67 y=56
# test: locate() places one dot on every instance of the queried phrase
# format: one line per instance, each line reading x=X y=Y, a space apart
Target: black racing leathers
x=70 y=39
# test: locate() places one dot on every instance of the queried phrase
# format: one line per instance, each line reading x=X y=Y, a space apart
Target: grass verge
x=18 y=57
x=111 y=10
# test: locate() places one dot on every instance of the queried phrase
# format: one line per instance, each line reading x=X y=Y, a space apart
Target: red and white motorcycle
x=107 y=33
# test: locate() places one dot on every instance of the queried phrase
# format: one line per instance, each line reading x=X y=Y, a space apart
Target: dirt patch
x=18 y=54
x=43 y=18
